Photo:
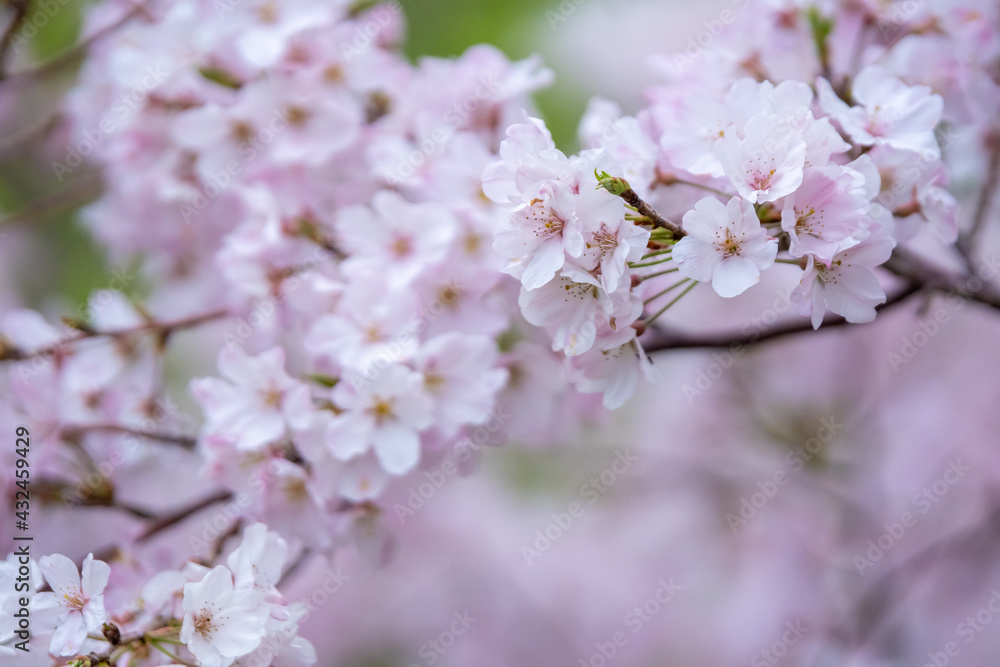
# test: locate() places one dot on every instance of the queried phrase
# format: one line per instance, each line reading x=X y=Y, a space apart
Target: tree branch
x=74 y=432
x=78 y=50
x=170 y=520
x=661 y=340
x=163 y=329
x=7 y=41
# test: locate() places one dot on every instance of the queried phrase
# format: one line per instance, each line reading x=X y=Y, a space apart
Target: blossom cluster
x=386 y=265
x=231 y=614
x=828 y=167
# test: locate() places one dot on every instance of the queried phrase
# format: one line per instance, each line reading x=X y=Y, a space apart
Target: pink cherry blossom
x=385 y=414
x=887 y=112
x=725 y=244
x=257 y=402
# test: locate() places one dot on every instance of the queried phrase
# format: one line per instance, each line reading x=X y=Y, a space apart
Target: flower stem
x=660 y=273
x=666 y=291
x=155 y=643
x=653 y=263
x=672 y=302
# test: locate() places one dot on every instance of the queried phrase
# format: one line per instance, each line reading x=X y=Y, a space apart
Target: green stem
x=660 y=273
x=675 y=300
x=680 y=181
x=650 y=255
x=155 y=643
x=666 y=291
x=654 y=263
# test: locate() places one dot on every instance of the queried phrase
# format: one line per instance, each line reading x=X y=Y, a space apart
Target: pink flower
x=887 y=112
x=385 y=414
x=257 y=402
x=461 y=378
x=827 y=213
x=725 y=244
x=571 y=305
x=75 y=607
x=613 y=371
x=766 y=163
x=849 y=286
x=539 y=234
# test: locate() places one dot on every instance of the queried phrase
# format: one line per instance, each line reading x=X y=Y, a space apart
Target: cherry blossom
x=888 y=112
x=726 y=244
x=75 y=606
x=258 y=401
x=222 y=622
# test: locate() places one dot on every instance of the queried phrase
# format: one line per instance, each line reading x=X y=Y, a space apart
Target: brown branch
x=911 y=267
x=661 y=340
x=967 y=241
x=76 y=194
x=162 y=329
x=174 y=518
x=633 y=200
x=74 y=432
x=76 y=51
x=7 y=41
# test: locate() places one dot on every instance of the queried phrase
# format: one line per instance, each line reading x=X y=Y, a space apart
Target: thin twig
x=661 y=340
x=179 y=440
x=180 y=515
x=163 y=329
x=7 y=41
x=77 y=193
x=76 y=51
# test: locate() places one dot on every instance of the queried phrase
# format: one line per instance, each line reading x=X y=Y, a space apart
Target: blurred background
x=815 y=501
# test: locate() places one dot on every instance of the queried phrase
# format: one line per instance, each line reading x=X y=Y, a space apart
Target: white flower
x=766 y=164
x=725 y=244
x=257 y=402
x=257 y=562
x=76 y=604
x=571 y=304
x=221 y=622
x=888 y=112
x=386 y=414
x=539 y=234
x=849 y=286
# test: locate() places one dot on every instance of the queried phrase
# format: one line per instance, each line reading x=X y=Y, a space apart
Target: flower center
x=204 y=624
x=382 y=410
x=761 y=180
